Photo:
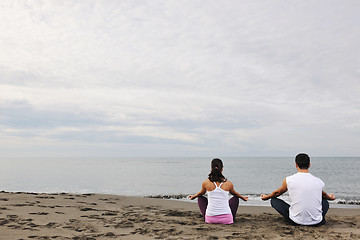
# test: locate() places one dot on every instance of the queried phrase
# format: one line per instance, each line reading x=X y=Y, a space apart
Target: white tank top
x=305 y=192
x=218 y=202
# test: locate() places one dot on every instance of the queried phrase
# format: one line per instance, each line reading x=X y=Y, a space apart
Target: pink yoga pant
x=233 y=203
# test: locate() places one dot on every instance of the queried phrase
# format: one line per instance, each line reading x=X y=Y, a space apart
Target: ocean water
x=175 y=177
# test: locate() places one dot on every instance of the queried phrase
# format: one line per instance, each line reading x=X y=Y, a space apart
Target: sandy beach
x=98 y=216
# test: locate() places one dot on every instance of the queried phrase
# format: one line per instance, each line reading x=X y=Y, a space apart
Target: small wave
x=255 y=197
x=348 y=202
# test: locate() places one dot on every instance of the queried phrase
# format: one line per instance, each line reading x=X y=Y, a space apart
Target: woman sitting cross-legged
x=218 y=208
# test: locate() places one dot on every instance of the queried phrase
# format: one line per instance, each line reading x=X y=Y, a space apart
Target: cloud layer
x=184 y=78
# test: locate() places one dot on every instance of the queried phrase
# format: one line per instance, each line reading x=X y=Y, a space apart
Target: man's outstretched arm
x=277 y=192
x=329 y=196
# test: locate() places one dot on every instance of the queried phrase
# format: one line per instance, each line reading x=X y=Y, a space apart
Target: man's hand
x=331 y=196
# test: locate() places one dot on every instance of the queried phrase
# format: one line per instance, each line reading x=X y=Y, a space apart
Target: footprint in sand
x=3 y=221
x=52 y=225
x=45 y=197
x=33 y=225
x=88 y=209
x=93 y=204
x=124 y=224
x=110 y=213
x=39 y=213
x=95 y=216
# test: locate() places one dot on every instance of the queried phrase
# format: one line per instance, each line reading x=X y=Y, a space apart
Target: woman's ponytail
x=216 y=171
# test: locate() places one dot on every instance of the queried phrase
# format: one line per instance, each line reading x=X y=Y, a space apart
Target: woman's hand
x=245 y=198
x=192 y=197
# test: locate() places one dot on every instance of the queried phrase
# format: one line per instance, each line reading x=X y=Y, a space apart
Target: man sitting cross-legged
x=308 y=202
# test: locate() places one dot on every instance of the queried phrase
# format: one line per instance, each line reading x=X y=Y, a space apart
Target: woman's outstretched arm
x=235 y=193
x=202 y=191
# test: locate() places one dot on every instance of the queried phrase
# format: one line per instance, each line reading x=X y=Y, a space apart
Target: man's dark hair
x=303 y=161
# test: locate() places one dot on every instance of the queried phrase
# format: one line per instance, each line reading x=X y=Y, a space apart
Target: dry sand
x=97 y=216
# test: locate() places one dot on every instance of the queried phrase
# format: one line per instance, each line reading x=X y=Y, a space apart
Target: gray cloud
x=225 y=78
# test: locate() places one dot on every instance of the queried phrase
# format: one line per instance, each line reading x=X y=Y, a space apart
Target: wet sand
x=99 y=216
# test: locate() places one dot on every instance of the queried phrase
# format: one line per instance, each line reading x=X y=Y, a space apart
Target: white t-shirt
x=305 y=192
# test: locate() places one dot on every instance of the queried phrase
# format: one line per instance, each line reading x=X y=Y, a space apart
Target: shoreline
x=338 y=204
x=105 y=216
x=251 y=204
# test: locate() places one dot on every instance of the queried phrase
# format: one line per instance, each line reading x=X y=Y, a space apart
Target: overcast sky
x=179 y=78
